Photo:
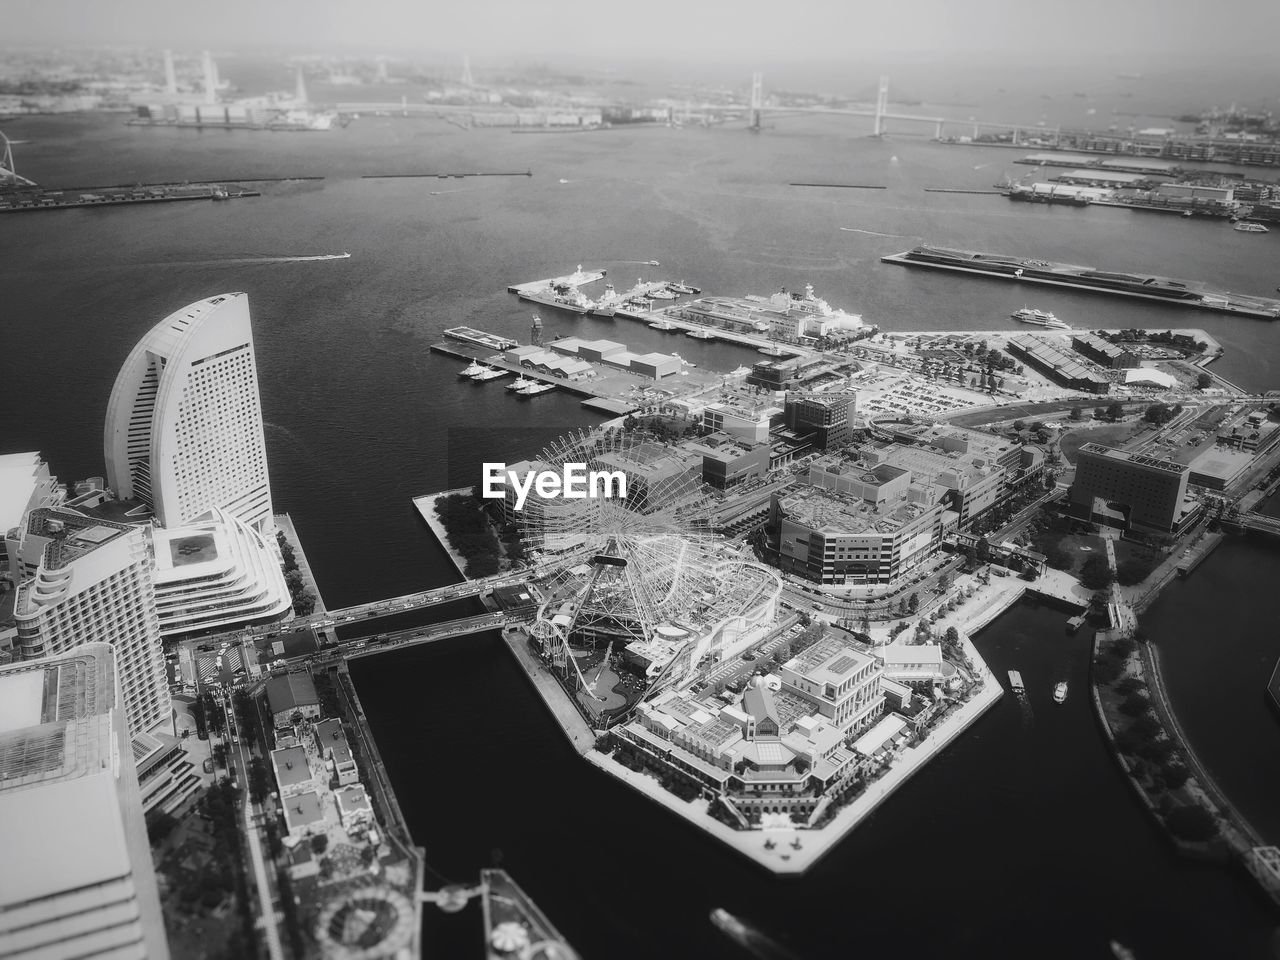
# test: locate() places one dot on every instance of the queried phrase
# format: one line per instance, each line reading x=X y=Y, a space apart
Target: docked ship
x=772 y=351
x=683 y=287
x=471 y=371
x=1032 y=194
x=480 y=338
x=1164 y=289
x=1245 y=226
x=519 y=383
x=535 y=388
x=663 y=325
x=489 y=373
x=1041 y=318
x=700 y=334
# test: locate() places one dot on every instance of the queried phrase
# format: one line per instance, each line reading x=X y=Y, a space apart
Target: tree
x=1096 y=574
x=1037 y=426
x=951 y=637
x=160 y=825
x=800 y=765
x=1099 y=413
x=1019 y=425
x=1191 y=823
x=1204 y=381
x=1135 y=705
x=1077 y=413
x=319 y=843
x=305 y=603
x=293 y=580
x=1159 y=414
x=259 y=785
x=1115 y=412
x=1133 y=571
x=913 y=603
x=1174 y=775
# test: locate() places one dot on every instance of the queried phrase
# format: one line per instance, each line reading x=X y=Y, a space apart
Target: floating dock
x=997 y=266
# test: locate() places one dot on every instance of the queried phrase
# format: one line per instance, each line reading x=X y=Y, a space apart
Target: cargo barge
x=1089 y=280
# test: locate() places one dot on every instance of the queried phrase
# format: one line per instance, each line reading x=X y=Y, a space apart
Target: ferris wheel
x=642 y=568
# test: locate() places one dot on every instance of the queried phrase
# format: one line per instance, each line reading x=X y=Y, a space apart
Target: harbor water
x=1022 y=839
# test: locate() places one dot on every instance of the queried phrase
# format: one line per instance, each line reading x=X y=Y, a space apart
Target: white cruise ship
x=1041 y=318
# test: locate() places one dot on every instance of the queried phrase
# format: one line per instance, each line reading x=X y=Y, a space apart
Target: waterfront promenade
x=580 y=734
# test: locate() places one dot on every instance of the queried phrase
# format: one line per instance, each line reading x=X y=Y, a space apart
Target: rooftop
x=291 y=691
x=839 y=514
x=830 y=660
x=302 y=810
x=291 y=766
x=72 y=535
x=1125 y=456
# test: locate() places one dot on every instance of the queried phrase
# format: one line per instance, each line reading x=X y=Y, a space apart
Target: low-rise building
x=292 y=693
x=1052 y=358
x=303 y=815
x=728 y=462
x=354 y=809
x=1103 y=352
x=841 y=681
x=293 y=771
x=331 y=744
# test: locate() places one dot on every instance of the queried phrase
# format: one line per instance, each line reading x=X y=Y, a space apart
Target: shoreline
x=426 y=507
x=284 y=523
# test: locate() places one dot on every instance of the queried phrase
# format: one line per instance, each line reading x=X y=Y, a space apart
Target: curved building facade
x=184 y=424
x=218 y=573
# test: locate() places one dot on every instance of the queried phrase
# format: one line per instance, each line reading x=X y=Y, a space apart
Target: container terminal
x=1185 y=293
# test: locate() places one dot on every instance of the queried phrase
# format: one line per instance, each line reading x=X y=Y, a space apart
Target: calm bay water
x=1022 y=839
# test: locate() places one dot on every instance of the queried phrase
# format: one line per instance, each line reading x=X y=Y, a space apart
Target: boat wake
x=751 y=938
x=872 y=233
x=239 y=261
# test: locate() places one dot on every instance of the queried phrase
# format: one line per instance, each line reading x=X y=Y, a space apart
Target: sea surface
x=1021 y=840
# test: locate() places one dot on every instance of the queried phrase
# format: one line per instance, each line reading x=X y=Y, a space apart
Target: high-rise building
x=1149 y=494
x=828 y=417
x=184 y=425
x=92 y=583
x=25 y=483
x=77 y=879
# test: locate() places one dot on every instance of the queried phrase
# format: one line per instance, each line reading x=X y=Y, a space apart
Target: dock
x=614 y=391
x=29 y=200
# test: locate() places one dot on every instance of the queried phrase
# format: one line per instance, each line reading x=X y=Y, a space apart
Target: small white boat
x=1060 y=692
x=490 y=373
x=700 y=334
x=1015 y=680
x=1248 y=227
x=662 y=325
x=536 y=389
x=520 y=383
x=473 y=370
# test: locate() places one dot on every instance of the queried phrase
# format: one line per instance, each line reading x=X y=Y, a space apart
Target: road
x=261 y=876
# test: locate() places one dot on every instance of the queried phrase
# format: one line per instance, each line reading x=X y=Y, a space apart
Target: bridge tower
x=300 y=86
x=882 y=105
x=170 y=75
x=210 y=79
x=8 y=175
x=467 y=80
x=757 y=99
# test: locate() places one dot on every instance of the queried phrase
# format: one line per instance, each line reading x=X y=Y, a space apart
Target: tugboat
x=1060 y=692
x=520 y=383
x=471 y=371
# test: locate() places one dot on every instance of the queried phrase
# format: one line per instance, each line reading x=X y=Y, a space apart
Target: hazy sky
x=776 y=31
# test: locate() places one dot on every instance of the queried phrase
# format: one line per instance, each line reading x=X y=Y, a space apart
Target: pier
x=1089 y=280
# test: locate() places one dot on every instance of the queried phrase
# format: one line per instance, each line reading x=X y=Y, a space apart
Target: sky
x=1105 y=33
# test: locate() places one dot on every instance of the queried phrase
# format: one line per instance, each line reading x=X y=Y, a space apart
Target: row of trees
x=304 y=601
x=1153 y=758
x=467 y=526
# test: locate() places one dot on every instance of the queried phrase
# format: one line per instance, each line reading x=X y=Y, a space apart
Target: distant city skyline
x=1095 y=32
